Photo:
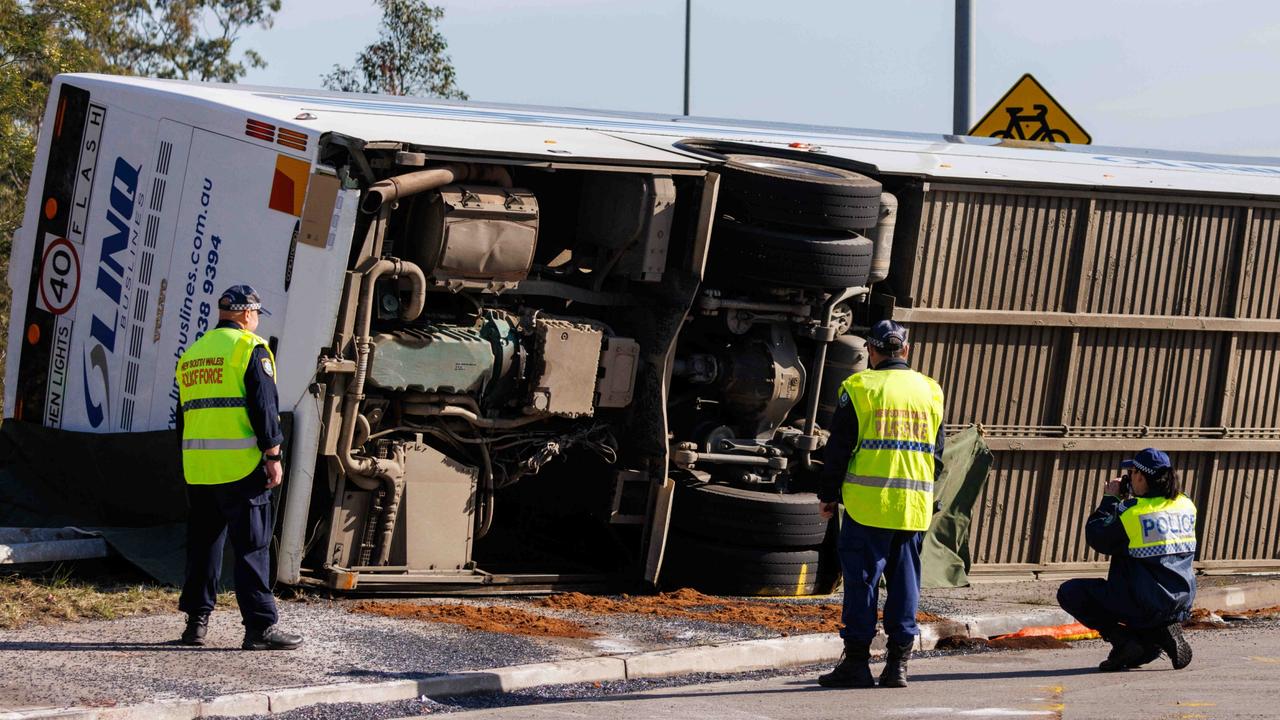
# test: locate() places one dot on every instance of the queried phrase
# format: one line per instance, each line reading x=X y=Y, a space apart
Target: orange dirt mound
x=1259 y=613
x=686 y=604
x=689 y=604
x=1201 y=619
x=1031 y=642
x=489 y=619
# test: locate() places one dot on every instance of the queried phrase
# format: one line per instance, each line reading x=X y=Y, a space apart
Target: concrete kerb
x=294 y=698
x=987 y=626
x=742 y=656
x=586 y=670
x=1245 y=596
x=250 y=703
x=163 y=710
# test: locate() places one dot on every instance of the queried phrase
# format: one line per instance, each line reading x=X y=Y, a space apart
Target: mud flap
x=658 y=527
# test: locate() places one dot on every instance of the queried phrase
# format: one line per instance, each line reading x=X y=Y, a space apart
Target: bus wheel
x=748 y=517
x=718 y=569
x=797 y=194
x=788 y=258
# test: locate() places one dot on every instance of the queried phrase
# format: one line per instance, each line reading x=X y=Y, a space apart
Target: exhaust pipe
x=402 y=186
x=366 y=472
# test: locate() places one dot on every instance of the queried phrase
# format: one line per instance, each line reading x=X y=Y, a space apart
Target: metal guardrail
x=43 y=545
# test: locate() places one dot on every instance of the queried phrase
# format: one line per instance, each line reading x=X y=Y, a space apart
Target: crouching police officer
x=884 y=451
x=229 y=427
x=1151 y=538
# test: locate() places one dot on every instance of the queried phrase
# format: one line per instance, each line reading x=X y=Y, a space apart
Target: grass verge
x=57 y=598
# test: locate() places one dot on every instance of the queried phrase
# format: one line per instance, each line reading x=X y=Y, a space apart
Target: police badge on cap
x=241 y=297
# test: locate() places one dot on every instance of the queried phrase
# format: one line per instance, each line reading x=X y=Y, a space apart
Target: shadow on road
x=167 y=646
x=1051 y=672
x=810 y=684
x=357 y=673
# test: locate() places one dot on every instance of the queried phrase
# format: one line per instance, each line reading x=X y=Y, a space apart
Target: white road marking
x=1005 y=712
x=977 y=712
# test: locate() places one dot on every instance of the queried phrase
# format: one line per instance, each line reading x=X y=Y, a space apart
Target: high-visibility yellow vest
x=1160 y=526
x=889 y=481
x=218 y=442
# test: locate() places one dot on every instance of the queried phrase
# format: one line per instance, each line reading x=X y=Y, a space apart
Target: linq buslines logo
x=109 y=288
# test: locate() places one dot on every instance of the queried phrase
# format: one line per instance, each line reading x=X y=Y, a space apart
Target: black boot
x=853 y=670
x=1126 y=650
x=1150 y=653
x=273 y=638
x=197 y=627
x=1169 y=638
x=894 y=674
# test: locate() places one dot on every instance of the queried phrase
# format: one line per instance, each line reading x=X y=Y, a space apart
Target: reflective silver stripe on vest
x=232 y=444
x=214 y=402
x=890 y=483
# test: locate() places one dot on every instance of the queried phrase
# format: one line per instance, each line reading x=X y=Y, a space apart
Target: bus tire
x=788 y=258
x=748 y=517
x=720 y=569
x=792 y=193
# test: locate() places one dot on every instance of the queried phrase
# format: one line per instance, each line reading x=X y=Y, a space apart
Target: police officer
x=881 y=459
x=1148 y=527
x=229 y=427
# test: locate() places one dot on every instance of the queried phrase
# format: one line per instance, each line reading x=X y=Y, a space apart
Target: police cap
x=241 y=297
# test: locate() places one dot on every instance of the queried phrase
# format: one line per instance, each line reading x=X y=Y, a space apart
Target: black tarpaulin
x=126 y=486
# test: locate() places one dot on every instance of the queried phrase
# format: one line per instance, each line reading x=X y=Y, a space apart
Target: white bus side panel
x=135 y=225
x=241 y=205
x=315 y=293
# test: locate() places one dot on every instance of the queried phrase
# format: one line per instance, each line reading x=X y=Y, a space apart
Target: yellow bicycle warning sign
x=1029 y=112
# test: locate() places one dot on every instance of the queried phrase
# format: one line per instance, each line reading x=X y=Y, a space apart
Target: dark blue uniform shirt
x=844 y=434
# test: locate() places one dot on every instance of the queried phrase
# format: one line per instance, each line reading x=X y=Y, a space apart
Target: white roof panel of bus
x=648 y=138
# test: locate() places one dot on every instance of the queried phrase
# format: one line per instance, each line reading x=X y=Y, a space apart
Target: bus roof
x=639 y=138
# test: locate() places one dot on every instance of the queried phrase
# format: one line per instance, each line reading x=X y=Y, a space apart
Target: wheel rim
x=810 y=171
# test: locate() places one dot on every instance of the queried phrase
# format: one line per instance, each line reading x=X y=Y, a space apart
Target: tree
x=42 y=38
x=166 y=38
x=38 y=40
x=407 y=59
x=160 y=38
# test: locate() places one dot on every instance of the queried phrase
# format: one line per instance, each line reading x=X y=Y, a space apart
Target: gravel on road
x=134 y=660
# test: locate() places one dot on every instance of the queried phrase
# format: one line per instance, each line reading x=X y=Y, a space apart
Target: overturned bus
x=529 y=348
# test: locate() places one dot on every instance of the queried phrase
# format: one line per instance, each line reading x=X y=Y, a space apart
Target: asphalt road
x=1234 y=675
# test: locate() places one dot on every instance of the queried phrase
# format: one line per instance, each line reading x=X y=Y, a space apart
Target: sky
x=1195 y=75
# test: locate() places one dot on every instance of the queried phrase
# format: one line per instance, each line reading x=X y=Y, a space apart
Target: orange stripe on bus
x=57 y=125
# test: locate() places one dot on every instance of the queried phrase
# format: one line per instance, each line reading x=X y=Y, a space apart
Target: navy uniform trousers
x=867 y=553
x=239 y=511
x=1099 y=607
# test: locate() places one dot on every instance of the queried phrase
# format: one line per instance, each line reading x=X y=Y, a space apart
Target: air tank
x=846 y=355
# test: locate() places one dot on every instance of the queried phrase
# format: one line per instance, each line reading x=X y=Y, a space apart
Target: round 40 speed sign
x=59 y=276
